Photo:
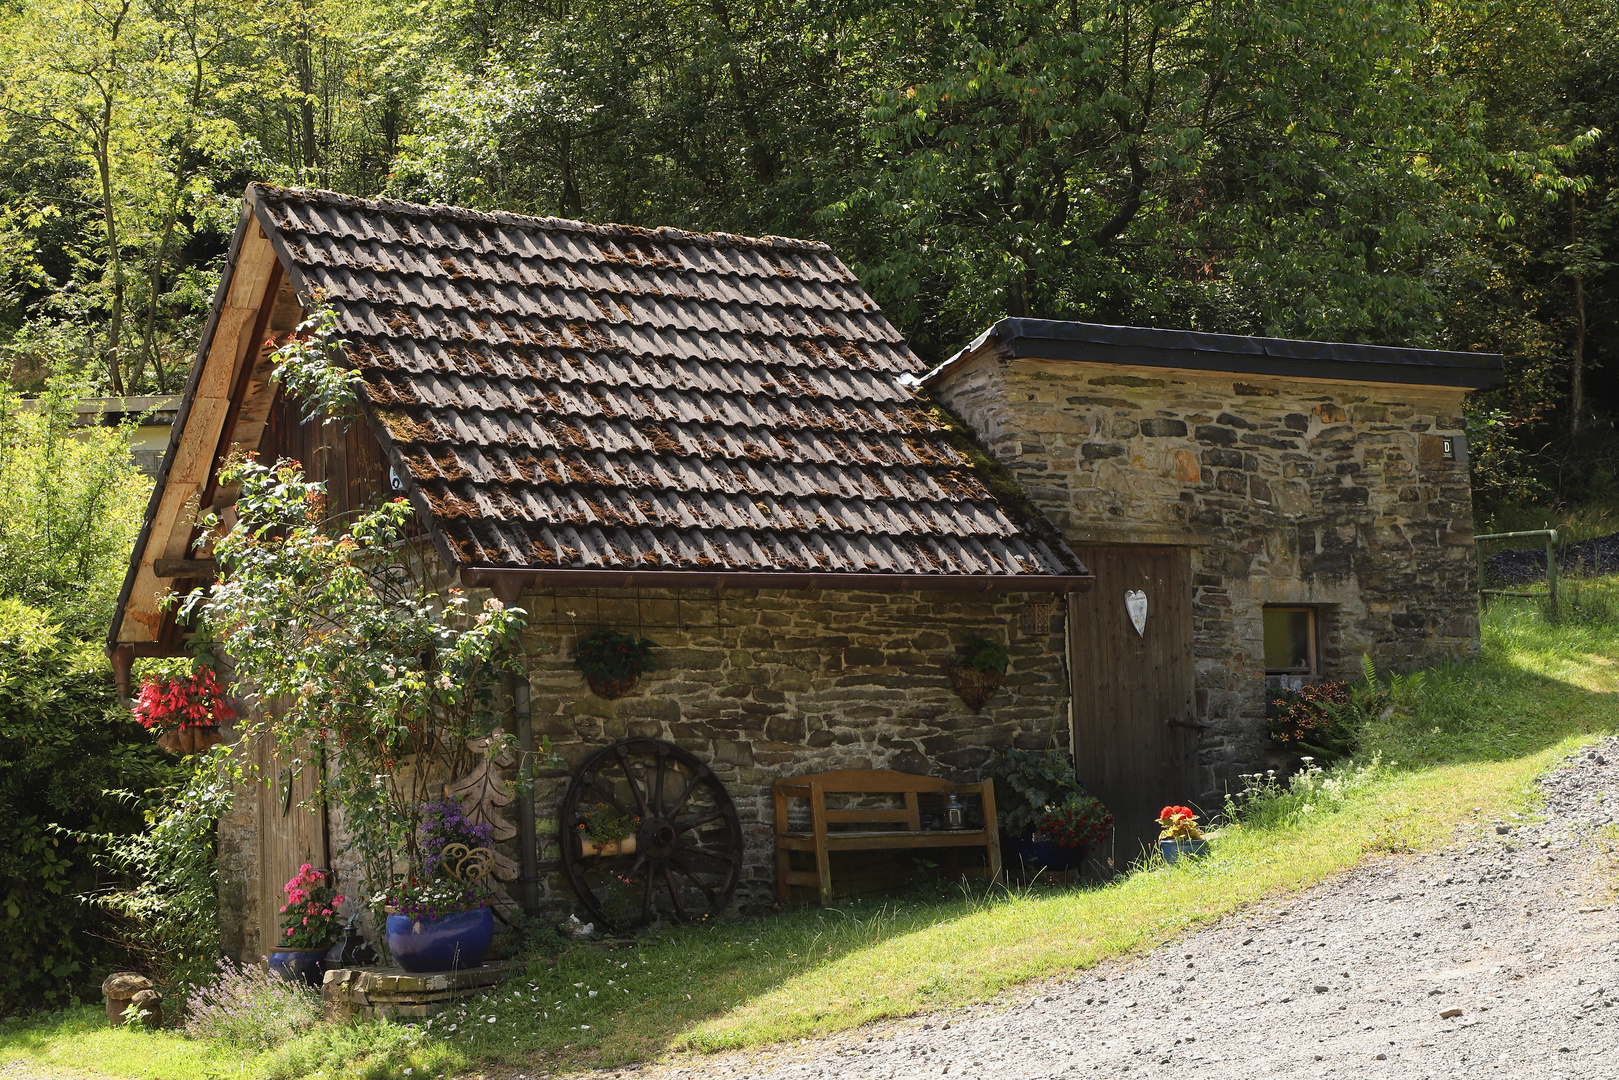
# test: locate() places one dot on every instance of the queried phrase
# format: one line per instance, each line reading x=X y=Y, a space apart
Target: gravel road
x=1497 y=957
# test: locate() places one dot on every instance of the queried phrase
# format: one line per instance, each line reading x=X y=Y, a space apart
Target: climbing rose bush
x=346 y=623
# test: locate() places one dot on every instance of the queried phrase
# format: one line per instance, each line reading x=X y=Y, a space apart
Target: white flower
x=493 y=604
x=444 y=681
x=389 y=670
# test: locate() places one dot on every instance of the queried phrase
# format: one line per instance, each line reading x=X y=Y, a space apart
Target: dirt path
x=1497 y=957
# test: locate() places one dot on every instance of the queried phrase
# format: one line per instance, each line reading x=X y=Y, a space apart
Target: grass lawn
x=1467 y=743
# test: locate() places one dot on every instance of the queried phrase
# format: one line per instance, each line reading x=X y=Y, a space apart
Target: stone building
x=1308 y=501
x=719 y=443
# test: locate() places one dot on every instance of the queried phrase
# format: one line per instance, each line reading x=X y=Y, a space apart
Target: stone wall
x=1289 y=491
x=766 y=684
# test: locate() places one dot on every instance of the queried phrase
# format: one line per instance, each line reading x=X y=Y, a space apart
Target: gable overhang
x=1134 y=346
x=225 y=404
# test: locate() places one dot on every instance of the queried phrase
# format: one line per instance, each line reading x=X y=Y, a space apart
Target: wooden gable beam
x=171 y=516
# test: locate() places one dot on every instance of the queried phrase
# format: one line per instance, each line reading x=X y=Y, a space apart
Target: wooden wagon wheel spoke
x=687 y=826
x=657 y=792
x=674 y=893
x=629 y=774
x=607 y=796
x=646 y=896
x=696 y=779
x=695 y=880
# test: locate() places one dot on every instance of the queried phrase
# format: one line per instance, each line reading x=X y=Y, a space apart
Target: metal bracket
x=1193 y=725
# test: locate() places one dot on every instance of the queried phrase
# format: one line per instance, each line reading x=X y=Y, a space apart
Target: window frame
x=1312 y=615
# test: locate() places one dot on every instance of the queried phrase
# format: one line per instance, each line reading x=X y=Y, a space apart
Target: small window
x=1290 y=641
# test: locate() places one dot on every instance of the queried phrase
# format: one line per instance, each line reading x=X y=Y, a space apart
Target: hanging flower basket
x=612 y=662
x=189 y=740
x=975 y=686
x=977 y=680
x=185 y=712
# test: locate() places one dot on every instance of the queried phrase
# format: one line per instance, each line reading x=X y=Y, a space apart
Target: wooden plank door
x=290 y=833
x=1133 y=700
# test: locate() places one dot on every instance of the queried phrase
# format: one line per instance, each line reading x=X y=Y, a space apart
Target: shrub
x=249 y=1008
x=1306 y=719
x=1026 y=783
x=66 y=748
x=1079 y=821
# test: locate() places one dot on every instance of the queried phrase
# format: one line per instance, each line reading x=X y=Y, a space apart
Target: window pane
x=1287 y=640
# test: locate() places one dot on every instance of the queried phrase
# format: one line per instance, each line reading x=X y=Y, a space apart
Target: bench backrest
x=867 y=782
x=816 y=786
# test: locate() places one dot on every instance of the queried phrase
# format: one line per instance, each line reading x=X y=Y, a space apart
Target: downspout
x=508 y=589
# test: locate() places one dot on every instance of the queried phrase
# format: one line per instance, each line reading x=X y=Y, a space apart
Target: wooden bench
x=904 y=823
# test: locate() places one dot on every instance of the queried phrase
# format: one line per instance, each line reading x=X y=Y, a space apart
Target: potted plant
x=438 y=915
x=185 y=712
x=1046 y=818
x=309 y=925
x=607 y=832
x=613 y=662
x=1179 y=836
x=977 y=680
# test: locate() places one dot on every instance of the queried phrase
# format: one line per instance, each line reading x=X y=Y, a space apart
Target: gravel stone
x=1492 y=957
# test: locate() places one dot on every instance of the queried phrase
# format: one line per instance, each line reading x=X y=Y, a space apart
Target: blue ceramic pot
x=1034 y=853
x=449 y=942
x=1179 y=849
x=298 y=965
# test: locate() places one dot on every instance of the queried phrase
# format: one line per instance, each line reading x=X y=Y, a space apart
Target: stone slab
x=393 y=993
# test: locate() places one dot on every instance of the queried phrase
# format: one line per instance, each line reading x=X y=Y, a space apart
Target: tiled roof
x=572 y=396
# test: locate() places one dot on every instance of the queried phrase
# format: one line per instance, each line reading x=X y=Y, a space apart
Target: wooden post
x=1551 y=568
x=508 y=589
x=823 y=861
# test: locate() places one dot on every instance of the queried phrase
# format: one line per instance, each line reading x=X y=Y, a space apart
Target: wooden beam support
x=185 y=568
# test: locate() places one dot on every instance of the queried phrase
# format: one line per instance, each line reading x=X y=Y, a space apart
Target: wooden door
x=292 y=831
x=1133 y=702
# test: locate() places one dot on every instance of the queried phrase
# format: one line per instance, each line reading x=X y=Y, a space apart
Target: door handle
x=1193 y=725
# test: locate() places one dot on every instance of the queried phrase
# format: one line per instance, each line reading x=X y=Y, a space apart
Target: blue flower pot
x=448 y=942
x=1035 y=854
x=298 y=965
x=1175 y=850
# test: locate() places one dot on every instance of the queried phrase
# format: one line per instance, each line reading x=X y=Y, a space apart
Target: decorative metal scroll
x=467 y=864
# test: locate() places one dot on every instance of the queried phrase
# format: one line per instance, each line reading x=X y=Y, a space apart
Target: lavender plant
x=249 y=1008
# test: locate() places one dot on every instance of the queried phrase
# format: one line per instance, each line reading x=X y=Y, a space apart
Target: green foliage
x=310 y=366
x=1028 y=781
x=1079 y=821
x=349 y=627
x=986 y=655
x=604 y=823
x=65 y=744
x=168 y=907
x=70 y=506
x=610 y=654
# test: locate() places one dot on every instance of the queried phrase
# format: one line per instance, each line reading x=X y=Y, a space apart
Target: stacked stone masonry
x=1289 y=491
x=766 y=684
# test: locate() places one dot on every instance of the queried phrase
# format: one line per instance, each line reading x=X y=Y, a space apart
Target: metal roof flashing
x=1050 y=339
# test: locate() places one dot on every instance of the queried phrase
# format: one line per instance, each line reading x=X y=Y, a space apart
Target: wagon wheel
x=688 y=843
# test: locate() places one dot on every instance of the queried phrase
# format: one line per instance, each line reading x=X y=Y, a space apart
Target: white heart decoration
x=1135 y=602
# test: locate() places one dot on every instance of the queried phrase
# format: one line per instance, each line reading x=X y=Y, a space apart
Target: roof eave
x=1054 y=340
x=488 y=576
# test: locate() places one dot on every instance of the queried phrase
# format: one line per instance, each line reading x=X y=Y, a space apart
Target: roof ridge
x=552 y=224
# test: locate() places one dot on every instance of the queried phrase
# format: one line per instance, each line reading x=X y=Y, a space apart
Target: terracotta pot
x=607 y=848
x=189 y=740
x=611 y=688
x=975 y=687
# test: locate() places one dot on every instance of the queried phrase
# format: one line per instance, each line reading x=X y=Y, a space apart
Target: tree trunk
x=115 y=265
x=1577 y=373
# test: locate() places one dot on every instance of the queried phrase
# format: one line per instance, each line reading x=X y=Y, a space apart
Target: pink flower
x=306 y=920
x=289 y=931
x=338 y=899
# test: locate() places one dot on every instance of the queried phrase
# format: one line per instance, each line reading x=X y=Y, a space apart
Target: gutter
x=496 y=577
